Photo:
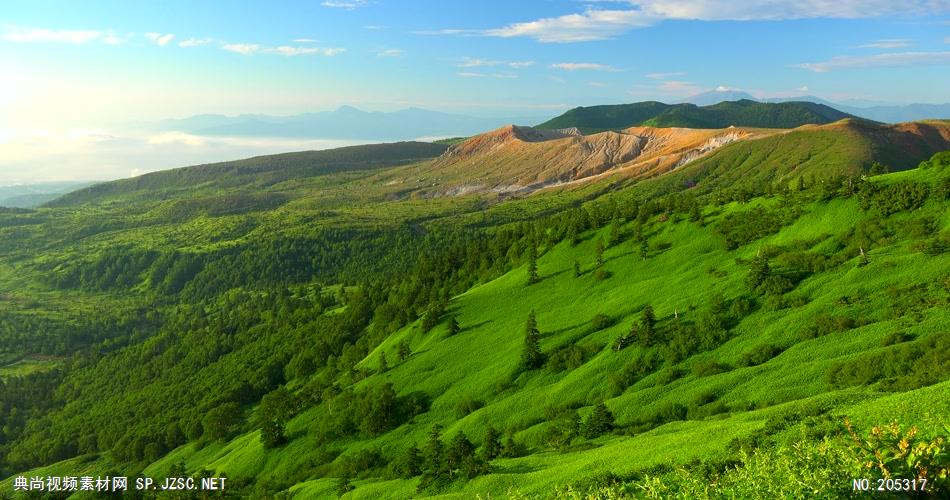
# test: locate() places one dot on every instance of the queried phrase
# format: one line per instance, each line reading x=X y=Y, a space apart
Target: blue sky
x=89 y=65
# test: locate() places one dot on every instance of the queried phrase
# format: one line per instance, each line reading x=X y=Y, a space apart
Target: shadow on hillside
x=562 y=330
x=515 y=469
x=474 y=326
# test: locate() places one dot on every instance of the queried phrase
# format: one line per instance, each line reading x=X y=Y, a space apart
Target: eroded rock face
x=517 y=159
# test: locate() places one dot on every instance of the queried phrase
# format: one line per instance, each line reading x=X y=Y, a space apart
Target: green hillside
x=260 y=172
x=657 y=340
x=744 y=113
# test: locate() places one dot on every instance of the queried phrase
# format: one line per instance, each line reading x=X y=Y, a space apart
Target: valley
x=549 y=312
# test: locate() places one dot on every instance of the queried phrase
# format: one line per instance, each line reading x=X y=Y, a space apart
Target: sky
x=77 y=77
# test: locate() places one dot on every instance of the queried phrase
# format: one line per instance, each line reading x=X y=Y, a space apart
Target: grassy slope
x=477 y=363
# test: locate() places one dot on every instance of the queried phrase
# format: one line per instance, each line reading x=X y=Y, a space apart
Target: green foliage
x=600 y=421
x=740 y=113
x=901 y=367
x=531 y=355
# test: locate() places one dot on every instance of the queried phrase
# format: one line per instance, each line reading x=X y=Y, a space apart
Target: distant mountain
x=34 y=195
x=717 y=96
x=742 y=113
x=345 y=122
x=860 y=108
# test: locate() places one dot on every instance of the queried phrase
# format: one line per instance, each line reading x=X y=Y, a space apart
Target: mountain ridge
x=742 y=113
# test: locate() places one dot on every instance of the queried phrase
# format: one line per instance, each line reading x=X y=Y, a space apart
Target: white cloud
x=176 y=138
x=241 y=48
x=288 y=51
x=723 y=88
x=390 y=53
x=591 y=25
x=597 y=84
x=195 y=42
x=879 y=60
x=284 y=50
x=374 y=27
x=600 y=24
x=472 y=62
x=888 y=43
x=304 y=40
x=472 y=74
x=159 y=38
x=583 y=67
x=344 y=4
x=520 y=64
x=17 y=34
x=803 y=88
x=664 y=76
x=110 y=38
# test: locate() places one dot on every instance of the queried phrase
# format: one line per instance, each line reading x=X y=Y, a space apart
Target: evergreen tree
x=599 y=253
x=577 y=269
x=460 y=451
x=454 y=327
x=412 y=463
x=404 y=350
x=272 y=434
x=695 y=215
x=491 y=447
x=648 y=319
x=383 y=365
x=614 y=237
x=343 y=485
x=531 y=357
x=759 y=271
x=434 y=458
x=644 y=249
x=511 y=448
x=532 y=264
x=600 y=421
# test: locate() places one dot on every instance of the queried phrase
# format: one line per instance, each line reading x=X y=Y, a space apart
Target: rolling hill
x=742 y=113
x=258 y=172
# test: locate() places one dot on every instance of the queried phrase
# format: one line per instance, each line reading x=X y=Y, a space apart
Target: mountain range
x=886 y=113
x=346 y=122
x=745 y=113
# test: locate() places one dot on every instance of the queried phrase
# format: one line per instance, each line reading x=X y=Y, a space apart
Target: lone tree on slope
x=531 y=357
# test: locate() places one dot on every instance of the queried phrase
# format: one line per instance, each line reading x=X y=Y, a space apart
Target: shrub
x=759 y=355
x=467 y=406
x=601 y=321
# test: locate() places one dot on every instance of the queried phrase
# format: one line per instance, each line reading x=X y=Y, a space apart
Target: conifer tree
x=614 y=237
x=531 y=357
x=412 y=462
x=577 y=269
x=491 y=447
x=383 y=365
x=434 y=458
x=599 y=253
x=454 y=327
x=532 y=264
x=758 y=272
x=460 y=450
x=648 y=319
x=644 y=249
x=600 y=421
x=404 y=351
